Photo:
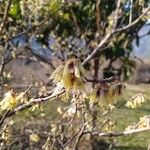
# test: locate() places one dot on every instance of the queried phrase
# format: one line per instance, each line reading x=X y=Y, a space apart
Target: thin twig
x=4 y=117
x=95 y=51
x=116 y=15
x=79 y=136
x=134 y=22
x=111 y=79
x=114 y=134
x=28 y=105
x=2 y=66
x=98 y=16
x=5 y=16
x=108 y=36
x=131 y=11
x=76 y=22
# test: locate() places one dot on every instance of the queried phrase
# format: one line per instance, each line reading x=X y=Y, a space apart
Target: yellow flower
x=34 y=138
x=9 y=102
x=129 y=104
x=93 y=96
x=136 y=101
x=57 y=74
x=11 y=99
x=59 y=110
x=73 y=76
x=144 y=122
x=115 y=91
x=129 y=128
x=70 y=76
x=106 y=94
x=100 y=95
x=110 y=125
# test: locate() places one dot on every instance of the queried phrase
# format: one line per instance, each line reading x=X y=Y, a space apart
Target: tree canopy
x=89 y=29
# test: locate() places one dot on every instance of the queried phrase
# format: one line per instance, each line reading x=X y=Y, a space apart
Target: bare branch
x=114 y=134
x=75 y=22
x=2 y=66
x=131 y=11
x=116 y=14
x=108 y=36
x=28 y=105
x=134 y=22
x=111 y=79
x=5 y=16
x=98 y=16
x=79 y=136
x=94 y=52
x=4 y=117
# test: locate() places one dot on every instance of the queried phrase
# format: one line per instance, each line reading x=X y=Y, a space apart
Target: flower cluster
x=10 y=100
x=144 y=122
x=107 y=94
x=34 y=137
x=136 y=101
x=70 y=76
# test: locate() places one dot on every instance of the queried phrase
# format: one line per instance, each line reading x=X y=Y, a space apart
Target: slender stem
x=28 y=105
x=5 y=16
x=111 y=79
x=114 y=134
x=98 y=17
x=134 y=22
x=131 y=9
x=116 y=15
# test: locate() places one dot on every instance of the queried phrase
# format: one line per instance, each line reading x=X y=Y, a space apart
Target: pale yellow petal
x=34 y=137
x=78 y=85
x=57 y=74
x=77 y=72
x=9 y=101
x=93 y=97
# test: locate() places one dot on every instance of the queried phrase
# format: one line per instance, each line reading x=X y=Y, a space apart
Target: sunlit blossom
x=70 y=76
x=9 y=101
x=136 y=101
x=106 y=94
x=57 y=74
x=34 y=137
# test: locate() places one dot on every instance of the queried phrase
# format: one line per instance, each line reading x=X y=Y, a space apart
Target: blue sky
x=143 y=50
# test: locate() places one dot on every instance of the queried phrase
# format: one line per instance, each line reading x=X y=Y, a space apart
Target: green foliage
x=15 y=10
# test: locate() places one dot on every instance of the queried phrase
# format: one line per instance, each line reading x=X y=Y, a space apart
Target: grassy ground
x=124 y=117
